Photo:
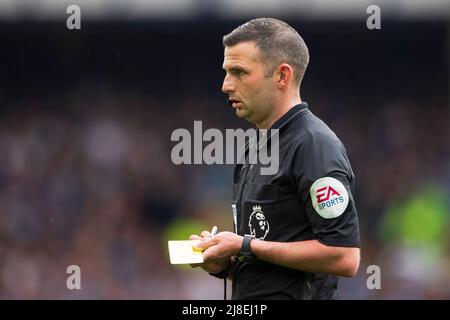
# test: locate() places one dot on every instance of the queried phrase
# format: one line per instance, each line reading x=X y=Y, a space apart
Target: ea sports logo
x=259 y=226
x=323 y=194
x=329 y=197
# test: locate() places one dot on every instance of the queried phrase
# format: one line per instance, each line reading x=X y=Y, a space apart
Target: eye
x=238 y=72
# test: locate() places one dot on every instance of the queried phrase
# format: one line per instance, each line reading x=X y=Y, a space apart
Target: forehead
x=246 y=53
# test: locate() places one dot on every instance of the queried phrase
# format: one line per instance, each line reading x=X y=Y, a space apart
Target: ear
x=285 y=73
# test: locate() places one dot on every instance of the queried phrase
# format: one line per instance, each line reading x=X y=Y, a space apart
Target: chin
x=241 y=113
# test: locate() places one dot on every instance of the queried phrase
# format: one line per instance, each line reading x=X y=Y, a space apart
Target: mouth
x=236 y=104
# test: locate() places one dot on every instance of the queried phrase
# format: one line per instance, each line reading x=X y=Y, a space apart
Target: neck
x=279 y=110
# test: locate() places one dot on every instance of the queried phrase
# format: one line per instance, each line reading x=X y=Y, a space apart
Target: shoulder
x=312 y=134
x=317 y=151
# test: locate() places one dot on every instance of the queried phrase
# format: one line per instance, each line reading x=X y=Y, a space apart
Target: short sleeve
x=325 y=184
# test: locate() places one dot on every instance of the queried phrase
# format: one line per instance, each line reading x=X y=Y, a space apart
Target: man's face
x=252 y=94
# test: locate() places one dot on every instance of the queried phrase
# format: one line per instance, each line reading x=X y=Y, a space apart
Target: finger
x=212 y=253
x=195 y=265
x=206 y=243
x=194 y=237
x=205 y=234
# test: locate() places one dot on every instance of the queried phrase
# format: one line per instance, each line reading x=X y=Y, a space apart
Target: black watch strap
x=246 y=254
x=246 y=244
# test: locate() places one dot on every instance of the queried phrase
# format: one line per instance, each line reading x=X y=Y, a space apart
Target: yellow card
x=182 y=252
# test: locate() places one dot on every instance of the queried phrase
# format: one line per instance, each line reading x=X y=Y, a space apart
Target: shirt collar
x=286 y=118
x=289 y=115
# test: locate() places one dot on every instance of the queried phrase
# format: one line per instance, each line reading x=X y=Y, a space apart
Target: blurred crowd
x=96 y=188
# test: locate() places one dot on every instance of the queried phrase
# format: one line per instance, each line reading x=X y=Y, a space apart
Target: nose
x=227 y=86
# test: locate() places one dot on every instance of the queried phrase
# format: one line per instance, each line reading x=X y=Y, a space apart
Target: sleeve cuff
x=338 y=242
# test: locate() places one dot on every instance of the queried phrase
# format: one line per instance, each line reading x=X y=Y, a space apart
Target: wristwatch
x=246 y=255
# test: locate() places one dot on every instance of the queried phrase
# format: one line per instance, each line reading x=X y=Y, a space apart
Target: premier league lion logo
x=259 y=226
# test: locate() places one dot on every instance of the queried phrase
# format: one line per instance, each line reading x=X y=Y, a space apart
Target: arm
x=309 y=256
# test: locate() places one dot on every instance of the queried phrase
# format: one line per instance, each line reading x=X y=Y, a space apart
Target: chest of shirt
x=268 y=206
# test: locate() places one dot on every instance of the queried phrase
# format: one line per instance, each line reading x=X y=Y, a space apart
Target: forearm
x=309 y=256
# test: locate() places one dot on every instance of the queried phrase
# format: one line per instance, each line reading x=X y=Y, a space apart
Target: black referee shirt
x=310 y=197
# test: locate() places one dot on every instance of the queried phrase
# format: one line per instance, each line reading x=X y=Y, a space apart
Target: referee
x=296 y=231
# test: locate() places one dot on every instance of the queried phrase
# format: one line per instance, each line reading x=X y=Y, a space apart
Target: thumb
x=206 y=243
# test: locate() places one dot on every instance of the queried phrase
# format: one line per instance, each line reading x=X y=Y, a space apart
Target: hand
x=214 y=265
x=220 y=247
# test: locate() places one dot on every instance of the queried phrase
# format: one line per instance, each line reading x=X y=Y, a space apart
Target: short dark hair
x=277 y=41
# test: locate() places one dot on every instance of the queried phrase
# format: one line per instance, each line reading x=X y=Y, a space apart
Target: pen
x=214 y=231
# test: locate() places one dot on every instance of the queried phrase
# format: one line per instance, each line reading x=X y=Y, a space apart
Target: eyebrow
x=234 y=67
